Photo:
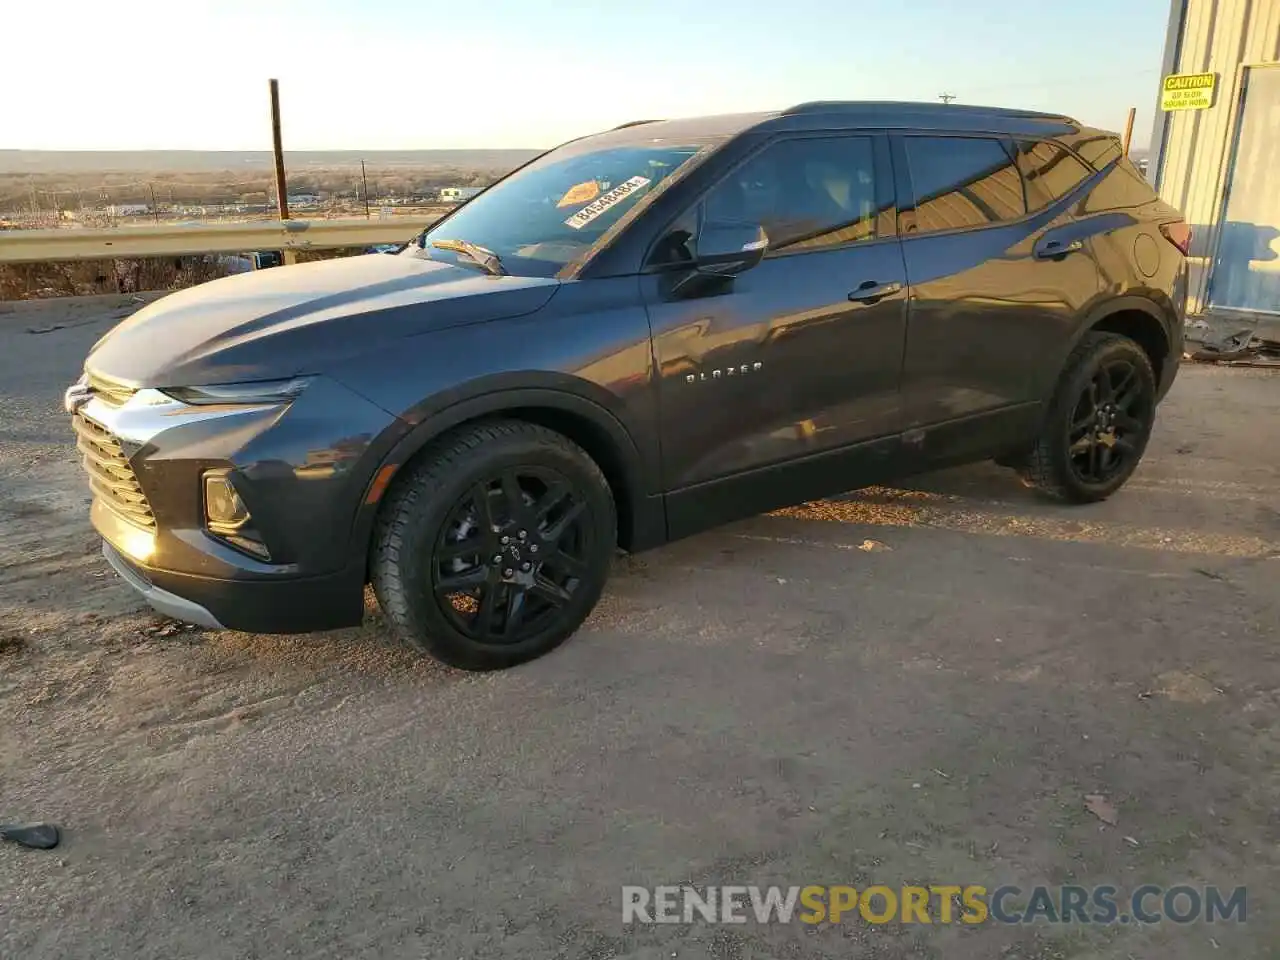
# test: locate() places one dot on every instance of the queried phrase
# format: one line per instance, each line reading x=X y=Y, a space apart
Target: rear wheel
x=496 y=547
x=1098 y=422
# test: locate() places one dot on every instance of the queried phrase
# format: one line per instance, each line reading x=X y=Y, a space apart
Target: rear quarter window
x=1050 y=171
x=1098 y=151
x=1124 y=187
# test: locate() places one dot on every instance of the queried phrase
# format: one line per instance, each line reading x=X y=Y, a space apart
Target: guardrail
x=168 y=240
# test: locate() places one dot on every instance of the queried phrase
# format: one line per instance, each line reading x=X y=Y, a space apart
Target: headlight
x=259 y=391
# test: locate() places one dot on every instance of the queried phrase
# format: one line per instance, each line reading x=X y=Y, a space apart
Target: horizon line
x=266 y=150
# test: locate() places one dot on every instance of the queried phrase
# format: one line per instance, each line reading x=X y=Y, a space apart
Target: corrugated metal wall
x=1216 y=36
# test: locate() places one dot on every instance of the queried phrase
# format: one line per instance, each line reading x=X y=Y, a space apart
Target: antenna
x=946 y=97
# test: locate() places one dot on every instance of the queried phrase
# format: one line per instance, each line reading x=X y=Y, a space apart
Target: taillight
x=1179 y=234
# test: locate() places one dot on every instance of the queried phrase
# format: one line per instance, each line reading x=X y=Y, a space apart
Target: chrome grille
x=111 y=478
x=111 y=393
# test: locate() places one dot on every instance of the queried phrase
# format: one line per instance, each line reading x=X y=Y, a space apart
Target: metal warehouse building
x=1216 y=149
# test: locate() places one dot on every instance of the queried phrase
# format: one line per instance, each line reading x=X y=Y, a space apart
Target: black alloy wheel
x=494 y=546
x=511 y=554
x=1098 y=423
x=1110 y=422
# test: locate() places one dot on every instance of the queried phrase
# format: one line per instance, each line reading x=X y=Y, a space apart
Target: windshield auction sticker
x=580 y=193
x=602 y=203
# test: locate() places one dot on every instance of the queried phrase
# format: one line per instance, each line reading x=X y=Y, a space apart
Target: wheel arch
x=641 y=517
x=1144 y=319
x=1141 y=319
x=1145 y=329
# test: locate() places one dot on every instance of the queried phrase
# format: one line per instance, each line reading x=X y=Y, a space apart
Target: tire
x=1098 y=422
x=475 y=525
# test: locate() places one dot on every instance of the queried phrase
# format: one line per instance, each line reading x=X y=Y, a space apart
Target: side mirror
x=727 y=249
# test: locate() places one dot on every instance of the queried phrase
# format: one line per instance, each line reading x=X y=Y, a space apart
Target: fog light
x=222 y=505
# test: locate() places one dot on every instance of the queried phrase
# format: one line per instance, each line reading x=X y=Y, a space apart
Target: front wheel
x=1098 y=422
x=495 y=548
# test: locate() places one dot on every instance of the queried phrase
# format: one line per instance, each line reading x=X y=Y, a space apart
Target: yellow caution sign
x=1188 y=91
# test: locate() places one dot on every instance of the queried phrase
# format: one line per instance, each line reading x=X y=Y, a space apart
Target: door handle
x=869 y=291
x=1047 y=249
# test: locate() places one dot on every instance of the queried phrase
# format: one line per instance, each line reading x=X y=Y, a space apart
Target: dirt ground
x=911 y=685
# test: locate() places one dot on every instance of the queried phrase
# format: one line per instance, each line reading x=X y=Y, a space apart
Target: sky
x=415 y=74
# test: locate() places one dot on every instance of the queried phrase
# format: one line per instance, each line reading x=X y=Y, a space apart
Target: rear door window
x=1050 y=171
x=962 y=182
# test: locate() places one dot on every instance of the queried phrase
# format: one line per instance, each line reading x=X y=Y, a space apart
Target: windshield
x=552 y=211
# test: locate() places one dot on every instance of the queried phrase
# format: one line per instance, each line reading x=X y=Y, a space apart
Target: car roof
x=844 y=114
x=900 y=115
x=890 y=110
x=690 y=130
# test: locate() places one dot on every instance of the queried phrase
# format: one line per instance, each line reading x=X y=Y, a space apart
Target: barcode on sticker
x=603 y=202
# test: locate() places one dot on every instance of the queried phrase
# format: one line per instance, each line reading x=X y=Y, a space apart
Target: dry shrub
x=79 y=278
x=307 y=256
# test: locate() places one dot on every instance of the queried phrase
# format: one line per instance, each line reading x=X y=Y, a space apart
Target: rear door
x=998 y=278
x=781 y=383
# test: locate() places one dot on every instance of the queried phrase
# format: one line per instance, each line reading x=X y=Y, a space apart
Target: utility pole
x=946 y=97
x=365 y=181
x=282 y=196
x=1128 y=129
x=155 y=208
x=282 y=191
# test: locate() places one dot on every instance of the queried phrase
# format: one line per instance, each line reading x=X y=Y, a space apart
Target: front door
x=781 y=384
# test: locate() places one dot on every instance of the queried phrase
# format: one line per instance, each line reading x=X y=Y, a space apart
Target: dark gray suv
x=636 y=336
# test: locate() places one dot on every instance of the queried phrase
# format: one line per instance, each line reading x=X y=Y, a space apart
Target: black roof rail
x=909 y=106
x=633 y=123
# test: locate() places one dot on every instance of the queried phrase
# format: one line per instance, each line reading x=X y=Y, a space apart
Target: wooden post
x=282 y=190
x=1128 y=129
x=365 y=180
x=282 y=195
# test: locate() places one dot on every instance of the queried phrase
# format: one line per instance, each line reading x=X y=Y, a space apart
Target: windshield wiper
x=473 y=251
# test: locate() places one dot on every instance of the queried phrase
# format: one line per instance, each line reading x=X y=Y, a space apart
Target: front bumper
x=302 y=468
x=296 y=605
x=170 y=604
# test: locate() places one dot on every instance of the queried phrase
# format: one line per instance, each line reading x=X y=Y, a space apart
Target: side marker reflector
x=380 y=482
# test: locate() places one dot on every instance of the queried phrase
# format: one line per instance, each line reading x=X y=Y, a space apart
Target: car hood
x=286 y=321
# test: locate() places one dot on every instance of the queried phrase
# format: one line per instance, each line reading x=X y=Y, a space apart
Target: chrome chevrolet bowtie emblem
x=76 y=396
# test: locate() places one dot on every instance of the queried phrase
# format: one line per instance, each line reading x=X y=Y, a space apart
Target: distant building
x=458 y=194
x=304 y=199
x=129 y=209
